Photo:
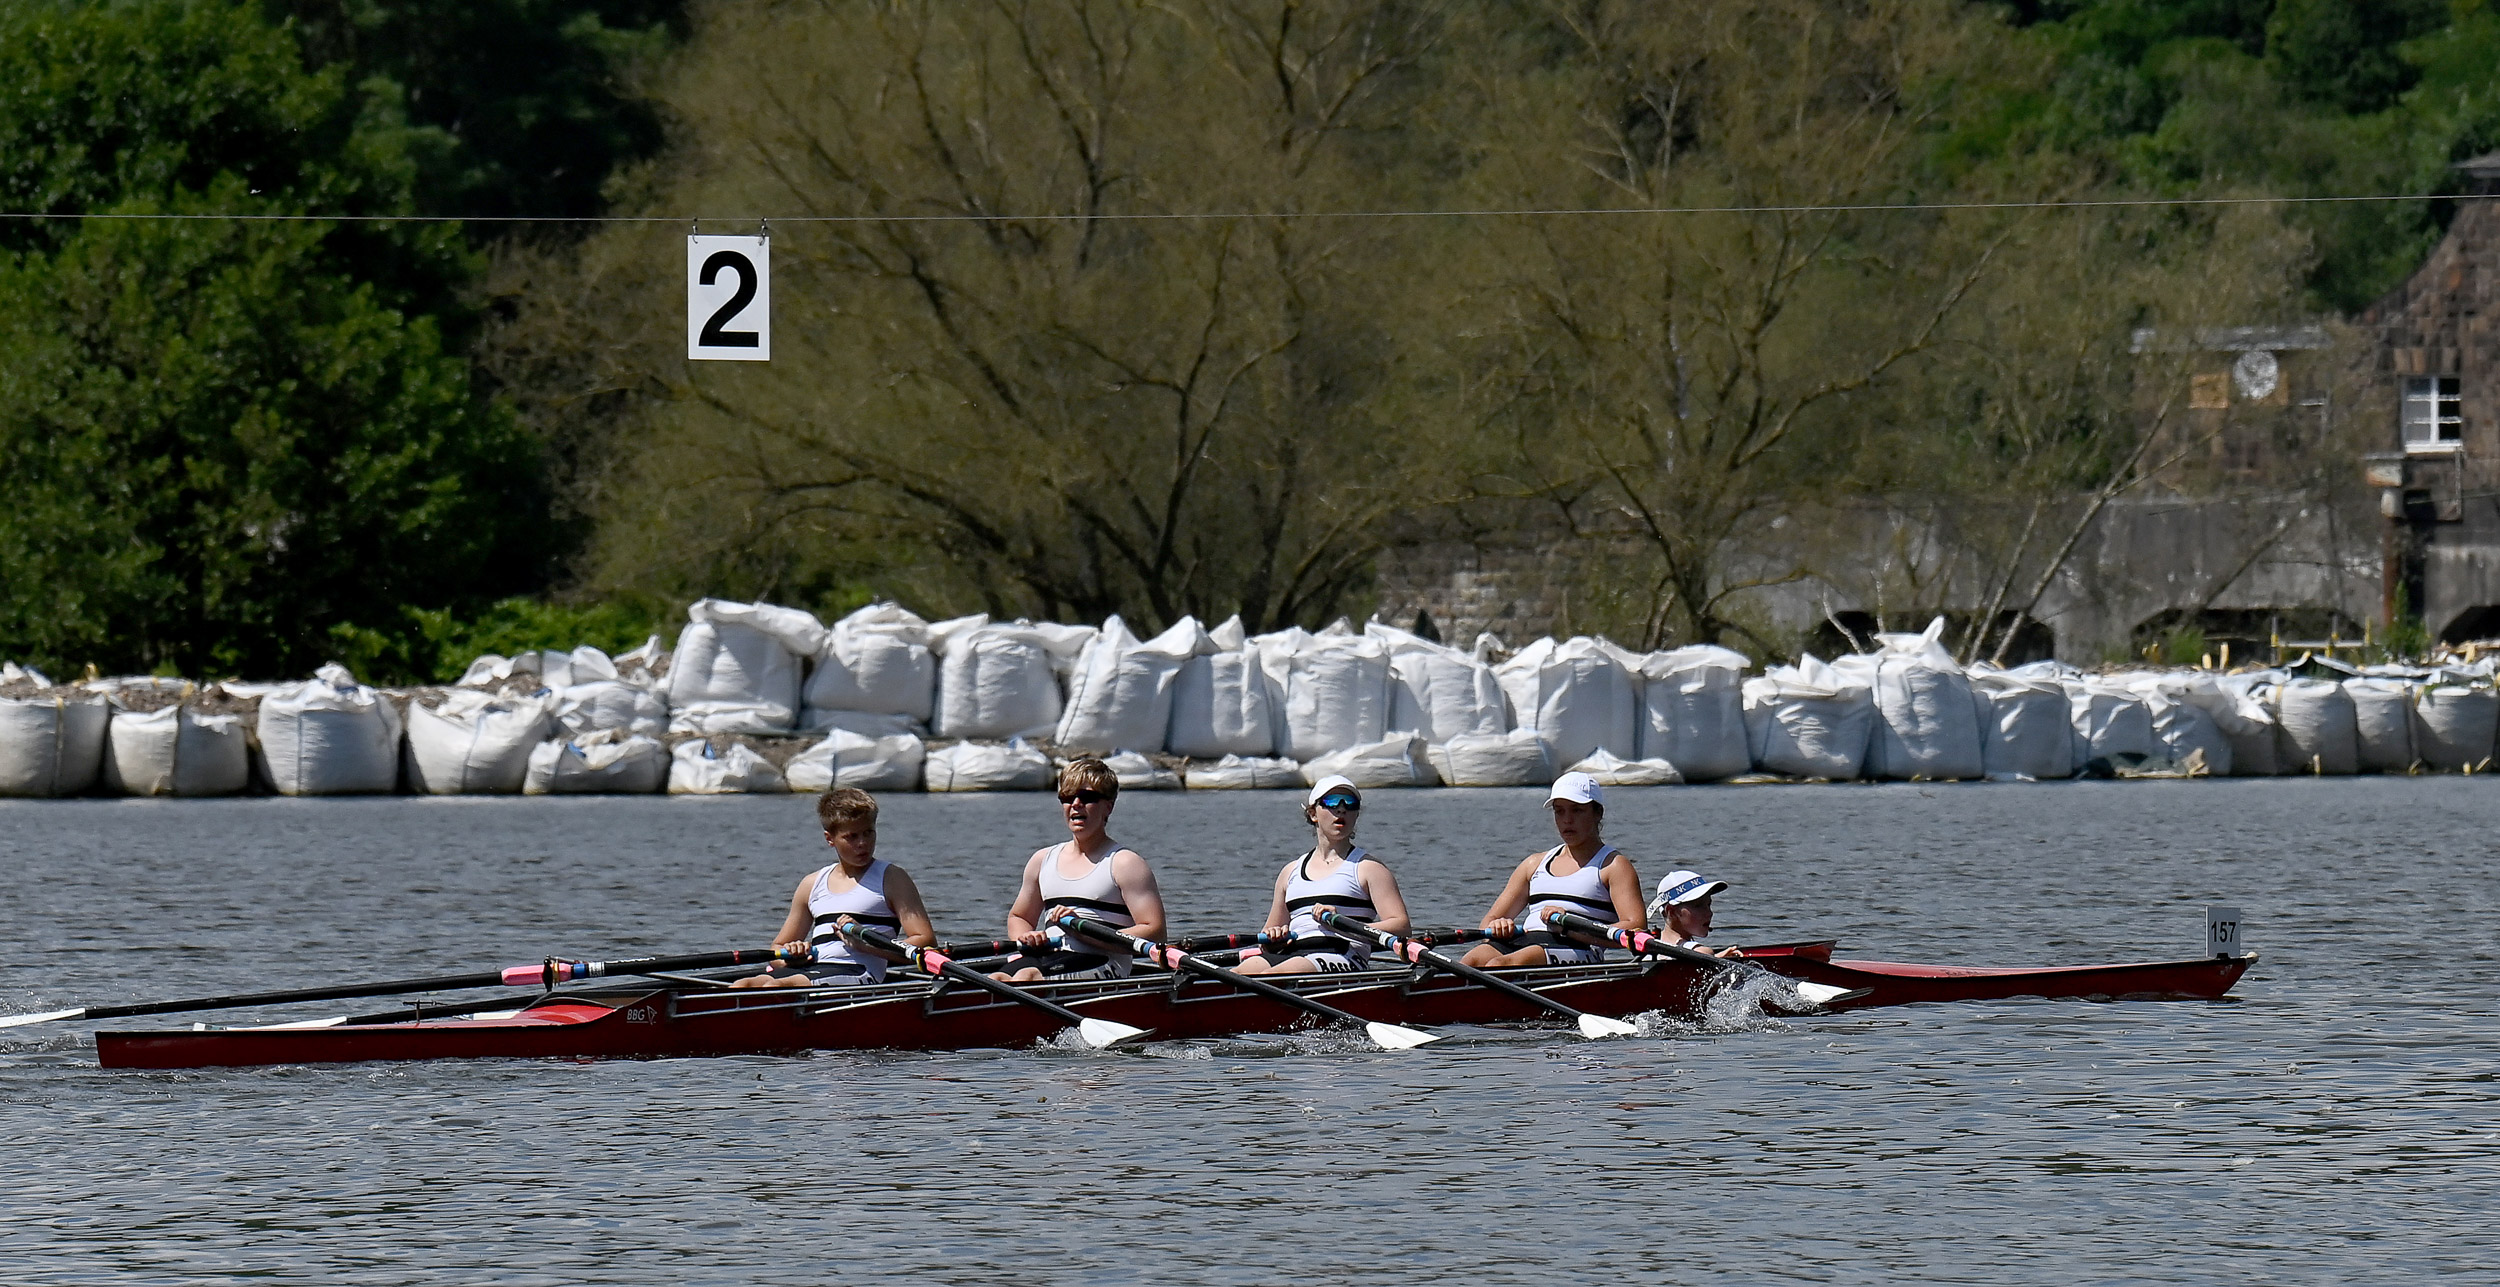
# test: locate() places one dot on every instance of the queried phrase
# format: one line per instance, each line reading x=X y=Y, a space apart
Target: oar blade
x=1821 y=994
x=1390 y=1036
x=1103 y=1033
x=1594 y=1026
x=21 y=1020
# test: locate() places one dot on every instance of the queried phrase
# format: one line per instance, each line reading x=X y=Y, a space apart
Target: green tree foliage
x=517 y=107
x=226 y=446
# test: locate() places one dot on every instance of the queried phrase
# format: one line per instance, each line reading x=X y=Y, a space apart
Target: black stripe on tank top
x=1297 y=904
x=1090 y=904
x=864 y=918
x=1571 y=898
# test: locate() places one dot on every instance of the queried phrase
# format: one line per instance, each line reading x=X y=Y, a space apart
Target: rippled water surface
x=2336 y=1123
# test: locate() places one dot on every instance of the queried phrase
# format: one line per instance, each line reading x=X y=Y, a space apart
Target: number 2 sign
x=729 y=299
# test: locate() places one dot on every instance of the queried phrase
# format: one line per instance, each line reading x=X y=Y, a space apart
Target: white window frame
x=2433 y=416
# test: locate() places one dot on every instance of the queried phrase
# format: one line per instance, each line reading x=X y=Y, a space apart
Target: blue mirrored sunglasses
x=1341 y=802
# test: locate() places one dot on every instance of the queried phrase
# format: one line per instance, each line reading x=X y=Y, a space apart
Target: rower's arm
x=904 y=897
x=1624 y=885
x=1388 y=905
x=1514 y=896
x=1138 y=890
x=1024 y=916
x=1277 y=921
x=796 y=926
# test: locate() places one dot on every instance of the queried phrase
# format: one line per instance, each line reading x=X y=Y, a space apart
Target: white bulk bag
x=736 y=667
x=329 y=736
x=176 y=751
x=605 y=762
x=1222 y=701
x=1332 y=689
x=51 y=745
x=1001 y=681
x=1436 y=692
x=2184 y=732
x=847 y=759
x=1578 y=695
x=1808 y=721
x=2453 y=726
x=1926 y=719
x=2382 y=716
x=2314 y=727
x=1396 y=761
x=1244 y=773
x=1693 y=712
x=877 y=661
x=869 y=725
x=587 y=708
x=1137 y=773
x=2245 y=710
x=696 y=768
x=977 y=766
x=1516 y=758
x=2024 y=726
x=474 y=743
x=1609 y=771
x=2109 y=720
x=1120 y=693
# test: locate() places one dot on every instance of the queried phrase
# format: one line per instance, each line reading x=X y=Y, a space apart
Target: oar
x=546 y=974
x=1591 y=1026
x=1097 y=1033
x=977 y=948
x=1817 y=995
x=1388 y=1036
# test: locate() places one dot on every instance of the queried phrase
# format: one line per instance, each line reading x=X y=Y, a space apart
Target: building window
x=2434 y=413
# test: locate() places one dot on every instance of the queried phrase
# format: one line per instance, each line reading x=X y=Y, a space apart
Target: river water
x=2337 y=1122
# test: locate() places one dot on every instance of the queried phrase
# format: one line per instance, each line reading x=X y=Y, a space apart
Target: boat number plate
x=2222 y=932
x=642 y=1014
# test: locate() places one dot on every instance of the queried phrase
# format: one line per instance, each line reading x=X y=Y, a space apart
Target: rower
x=1092 y=876
x=1683 y=908
x=1583 y=874
x=856 y=888
x=1336 y=875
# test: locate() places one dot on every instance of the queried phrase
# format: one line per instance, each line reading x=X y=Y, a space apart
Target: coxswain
x=1682 y=908
x=1336 y=875
x=856 y=888
x=1091 y=876
x=1583 y=875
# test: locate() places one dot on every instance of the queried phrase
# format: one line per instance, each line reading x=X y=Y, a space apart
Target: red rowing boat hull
x=667 y=1022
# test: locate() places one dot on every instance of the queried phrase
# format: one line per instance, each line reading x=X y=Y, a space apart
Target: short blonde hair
x=845 y=805
x=1089 y=774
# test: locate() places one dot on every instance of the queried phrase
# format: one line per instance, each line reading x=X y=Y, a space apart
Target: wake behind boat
x=676 y=1018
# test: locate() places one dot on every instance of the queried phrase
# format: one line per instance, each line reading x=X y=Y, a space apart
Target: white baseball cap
x=1677 y=888
x=1330 y=783
x=1576 y=786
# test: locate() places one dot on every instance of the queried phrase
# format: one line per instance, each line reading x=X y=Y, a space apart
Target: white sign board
x=2222 y=932
x=729 y=299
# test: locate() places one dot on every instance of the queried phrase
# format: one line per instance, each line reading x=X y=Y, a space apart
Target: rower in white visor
x=1583 y=875
x=1336 y=875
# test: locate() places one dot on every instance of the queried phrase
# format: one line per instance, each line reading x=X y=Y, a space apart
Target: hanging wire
x=1532 y=212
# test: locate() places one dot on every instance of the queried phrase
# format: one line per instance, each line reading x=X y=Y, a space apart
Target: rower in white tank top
x=1602 y=887
x=864 y=902
x=1090 y=876
x=1335 y=873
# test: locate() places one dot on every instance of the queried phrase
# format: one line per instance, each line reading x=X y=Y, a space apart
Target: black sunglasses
x=1084 y=797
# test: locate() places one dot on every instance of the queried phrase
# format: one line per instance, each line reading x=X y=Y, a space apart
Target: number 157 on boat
x=2222 y=931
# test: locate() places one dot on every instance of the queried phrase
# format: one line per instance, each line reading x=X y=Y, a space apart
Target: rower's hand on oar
x=1501 y=927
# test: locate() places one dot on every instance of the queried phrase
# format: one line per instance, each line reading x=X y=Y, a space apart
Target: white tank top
x=1094 y=896
x=1582 y=893
x=865 y=903
x=1342 y=889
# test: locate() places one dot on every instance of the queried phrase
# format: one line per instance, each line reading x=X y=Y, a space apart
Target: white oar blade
x=1099 y=1033
x=1593 y=1026
x=21 y=1020
x=1392 y=1037
x=1821 y=993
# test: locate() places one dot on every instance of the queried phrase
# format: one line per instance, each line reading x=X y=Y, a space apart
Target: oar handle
x=554 y=971
x=1422 y=955
x=1639 y=941
x=1006 y=946
x=936 y=962
x=1175 y=959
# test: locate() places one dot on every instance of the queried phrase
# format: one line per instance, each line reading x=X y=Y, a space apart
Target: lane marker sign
x=729 y=299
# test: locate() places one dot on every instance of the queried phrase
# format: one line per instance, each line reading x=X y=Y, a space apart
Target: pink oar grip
x=522 y=976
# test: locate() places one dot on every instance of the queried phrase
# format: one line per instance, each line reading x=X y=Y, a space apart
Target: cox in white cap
x=1683 y=905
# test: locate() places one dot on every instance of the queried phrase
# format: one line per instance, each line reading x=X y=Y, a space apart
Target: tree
x=221 y=450
x=1024 y=371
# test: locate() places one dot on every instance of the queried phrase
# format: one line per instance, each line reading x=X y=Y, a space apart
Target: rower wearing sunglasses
x=1583 y=875
x=1091 y=876
x=1336 y=875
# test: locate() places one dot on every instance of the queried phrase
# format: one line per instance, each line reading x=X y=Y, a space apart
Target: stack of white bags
x=757 y=697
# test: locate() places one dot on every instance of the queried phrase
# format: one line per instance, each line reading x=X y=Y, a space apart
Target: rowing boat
x=684 y=1017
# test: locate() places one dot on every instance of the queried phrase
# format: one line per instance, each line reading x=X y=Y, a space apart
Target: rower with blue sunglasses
x=1335 y=876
